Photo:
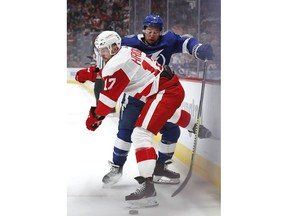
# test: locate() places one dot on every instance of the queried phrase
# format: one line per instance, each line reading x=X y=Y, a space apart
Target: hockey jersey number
x=109 y=83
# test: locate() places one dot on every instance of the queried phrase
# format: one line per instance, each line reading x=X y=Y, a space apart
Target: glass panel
x=199 y=18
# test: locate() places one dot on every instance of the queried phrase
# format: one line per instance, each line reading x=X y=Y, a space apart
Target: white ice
x=88 y=154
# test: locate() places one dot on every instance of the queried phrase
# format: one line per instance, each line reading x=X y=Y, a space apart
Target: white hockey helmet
x=106 y=39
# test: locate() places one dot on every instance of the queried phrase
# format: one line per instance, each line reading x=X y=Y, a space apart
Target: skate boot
x=144 y=196
x=114 y=175
x=163 y=175
x=203 y=132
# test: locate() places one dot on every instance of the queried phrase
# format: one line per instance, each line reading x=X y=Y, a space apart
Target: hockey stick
x=180 y=188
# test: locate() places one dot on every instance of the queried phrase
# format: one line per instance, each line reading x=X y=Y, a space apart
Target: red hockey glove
x=89 y=73
x=93 y=122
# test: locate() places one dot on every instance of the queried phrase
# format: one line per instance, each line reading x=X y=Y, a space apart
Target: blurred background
x=199 y=18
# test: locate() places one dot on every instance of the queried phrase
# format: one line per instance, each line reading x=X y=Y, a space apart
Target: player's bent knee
x=141 y=138
x=125 y=135
x=170 y=134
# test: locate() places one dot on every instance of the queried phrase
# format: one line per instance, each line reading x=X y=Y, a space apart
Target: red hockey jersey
x=130 y=71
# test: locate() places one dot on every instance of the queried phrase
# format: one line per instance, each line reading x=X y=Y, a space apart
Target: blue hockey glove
x=204 y=52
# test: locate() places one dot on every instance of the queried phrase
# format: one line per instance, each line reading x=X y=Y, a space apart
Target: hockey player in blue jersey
x=160 y=47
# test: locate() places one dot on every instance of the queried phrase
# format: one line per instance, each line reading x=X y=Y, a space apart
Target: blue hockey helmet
x=154 y=21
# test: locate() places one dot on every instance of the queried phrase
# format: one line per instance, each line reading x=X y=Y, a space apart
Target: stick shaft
x=184 y=183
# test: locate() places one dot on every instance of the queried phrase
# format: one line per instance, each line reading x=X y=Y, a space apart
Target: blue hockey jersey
x=168 y=44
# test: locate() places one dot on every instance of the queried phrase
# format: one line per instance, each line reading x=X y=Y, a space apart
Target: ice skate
x=114 y=175
x=203 y=132
x=144 y=196
x=162 y=175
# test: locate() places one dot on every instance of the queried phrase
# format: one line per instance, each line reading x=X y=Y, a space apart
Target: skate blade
x=165 y=180
x=109 y=185
x=111 y=182
x=142 y=203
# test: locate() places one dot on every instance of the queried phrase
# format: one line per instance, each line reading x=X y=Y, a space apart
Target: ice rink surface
x=88 y=154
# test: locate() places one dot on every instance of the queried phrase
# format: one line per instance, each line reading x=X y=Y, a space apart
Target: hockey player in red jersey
x=159 y=46
x=131 y=71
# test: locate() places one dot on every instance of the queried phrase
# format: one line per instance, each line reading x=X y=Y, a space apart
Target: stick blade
x=184 y=183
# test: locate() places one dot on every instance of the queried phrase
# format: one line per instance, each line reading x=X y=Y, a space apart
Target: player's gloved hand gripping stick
x=93 y=121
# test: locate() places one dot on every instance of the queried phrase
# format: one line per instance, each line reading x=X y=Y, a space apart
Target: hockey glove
x=203 y=132
x=93 y=122
x=204 y=52
x=89 y=73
